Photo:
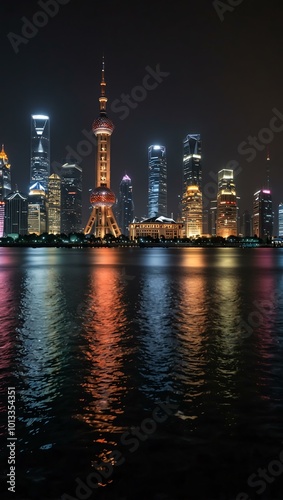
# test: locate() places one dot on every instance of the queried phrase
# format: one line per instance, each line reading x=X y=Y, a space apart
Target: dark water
x=94 y=341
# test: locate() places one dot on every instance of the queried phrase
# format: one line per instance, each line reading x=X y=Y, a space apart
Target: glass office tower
x=125 y=205
x=40 y=150
x=157 y=181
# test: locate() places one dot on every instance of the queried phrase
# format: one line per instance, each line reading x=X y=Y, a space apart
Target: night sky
x=221 y=78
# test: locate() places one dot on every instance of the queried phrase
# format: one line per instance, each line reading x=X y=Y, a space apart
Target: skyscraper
x=192 y=169
x=37 y=209
x=263 y=217
x=157 y=181
x=192 y=210
x=102 y=220
x=54 y=204
x=40 y=150
x=125 y=205
x=71 y=198
x=16 y=213
x=227 y=214
x=5 y=175
x=280 y=220
x=2 y=218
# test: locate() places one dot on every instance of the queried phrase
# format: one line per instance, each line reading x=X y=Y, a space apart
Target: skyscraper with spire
x=5 y=175
x=102 y=220
x=40 y=150
x=263 y=215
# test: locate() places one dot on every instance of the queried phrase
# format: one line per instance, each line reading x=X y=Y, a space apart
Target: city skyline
x=165 y=103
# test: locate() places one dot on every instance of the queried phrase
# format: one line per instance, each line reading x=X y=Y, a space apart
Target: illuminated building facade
x=37 y=209
x=102 y=220
x=54 y=204
x=157 y=181
x=227 y=213
x=192 y=169
x=2 y=218
x=192 y=212
x=71 y=198
x=125 y=205
x=280 y=220
x=40 y=150
x=5 y=175
x=156 y=228
x=16 y=214
x=263 y=217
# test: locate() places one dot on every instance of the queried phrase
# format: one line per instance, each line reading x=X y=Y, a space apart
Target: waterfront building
x=263 y=216
x=54 y=204
x=16 y=214
x=37 y=209
x=71 y=198
x=5 y=175
x=125 y=208
x=156 y=228
x=157 y=181
x=227 y=213
x=193 y=212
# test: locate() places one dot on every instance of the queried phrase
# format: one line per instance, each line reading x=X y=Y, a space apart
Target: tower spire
x=103 y=99
x=268 y=167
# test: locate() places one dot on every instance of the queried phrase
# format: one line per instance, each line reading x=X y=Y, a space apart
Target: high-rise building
x=16 y=213
x=5 y=175
x=37 y=209
x=54 y=204
x=246 y=224
x=157 y=181
x=71 y=198
x=192 y=212
x=192 y=169
x=40 y=150
x=192 y=178
x=263 y=216
x=280 y=220
x=125 y=205
x=227 y=213
x=2 y=218
x=213 y=217
x=102 y=220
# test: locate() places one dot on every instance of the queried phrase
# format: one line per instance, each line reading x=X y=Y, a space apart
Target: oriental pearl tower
x=102 y=220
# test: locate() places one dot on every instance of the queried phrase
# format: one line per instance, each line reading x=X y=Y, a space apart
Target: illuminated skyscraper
x=227 y=214
x=40 y=150
x=157 y=181
x=280 y=220
x=192 y=177
x=263 y=217
x=102 y=219
x=16 y=213
x=192 y=169
x=125 y=205
x=2 y=218
x=37 y=209
x=192 y=211
x=54 y=204
x=71 y=198
x=5 y=175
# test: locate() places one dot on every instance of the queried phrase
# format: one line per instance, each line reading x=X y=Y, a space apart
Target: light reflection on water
x=93 y=339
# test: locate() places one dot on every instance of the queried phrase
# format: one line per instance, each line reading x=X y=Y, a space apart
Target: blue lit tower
x=40 y=150
x=192 y=169
x=102 y=220
x=157 y=181
x=125 y=204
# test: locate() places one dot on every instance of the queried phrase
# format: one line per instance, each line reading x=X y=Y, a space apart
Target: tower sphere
x=102 y=196
x=102 y=125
